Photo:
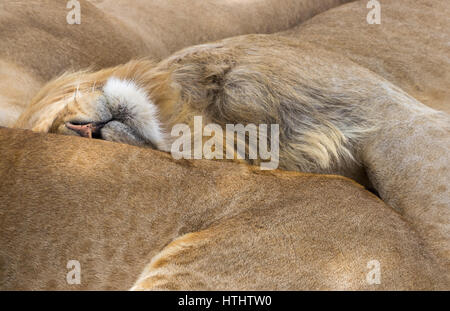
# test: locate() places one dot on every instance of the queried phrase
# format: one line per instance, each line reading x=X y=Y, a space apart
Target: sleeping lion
x=334 y=116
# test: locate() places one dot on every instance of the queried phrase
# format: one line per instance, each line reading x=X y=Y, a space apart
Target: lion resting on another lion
x=122 y=211
x=335 y=116
x=351 y=121
x=38 y=44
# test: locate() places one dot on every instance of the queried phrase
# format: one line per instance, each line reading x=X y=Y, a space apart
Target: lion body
x=38 y=44
x=197 y=225
x=408 y=48
x=397 y=146
x=331 y=112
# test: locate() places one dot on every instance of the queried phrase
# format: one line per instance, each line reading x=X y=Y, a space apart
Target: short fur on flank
x=331 y=112
x=330 y=227
x=159 y=224
x=335 y=115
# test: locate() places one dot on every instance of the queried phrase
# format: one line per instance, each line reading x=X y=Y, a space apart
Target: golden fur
x=335 y=115
x=409 y=48
x=351 y=222
x=176 y=24
x=121 y=210
x=37 y=44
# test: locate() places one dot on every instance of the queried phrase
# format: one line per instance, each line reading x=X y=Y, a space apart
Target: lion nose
x=88 y=130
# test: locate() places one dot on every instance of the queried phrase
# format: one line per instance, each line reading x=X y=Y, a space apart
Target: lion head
x=109 y=104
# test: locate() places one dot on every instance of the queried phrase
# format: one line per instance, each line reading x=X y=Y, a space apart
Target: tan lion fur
x=404 y=155
x=332 y=112
x=38 y=44
x=168 y=26
x=410 y=48
x=195 y=224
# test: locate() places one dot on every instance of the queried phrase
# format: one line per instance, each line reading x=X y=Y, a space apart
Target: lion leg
x=408 y=162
